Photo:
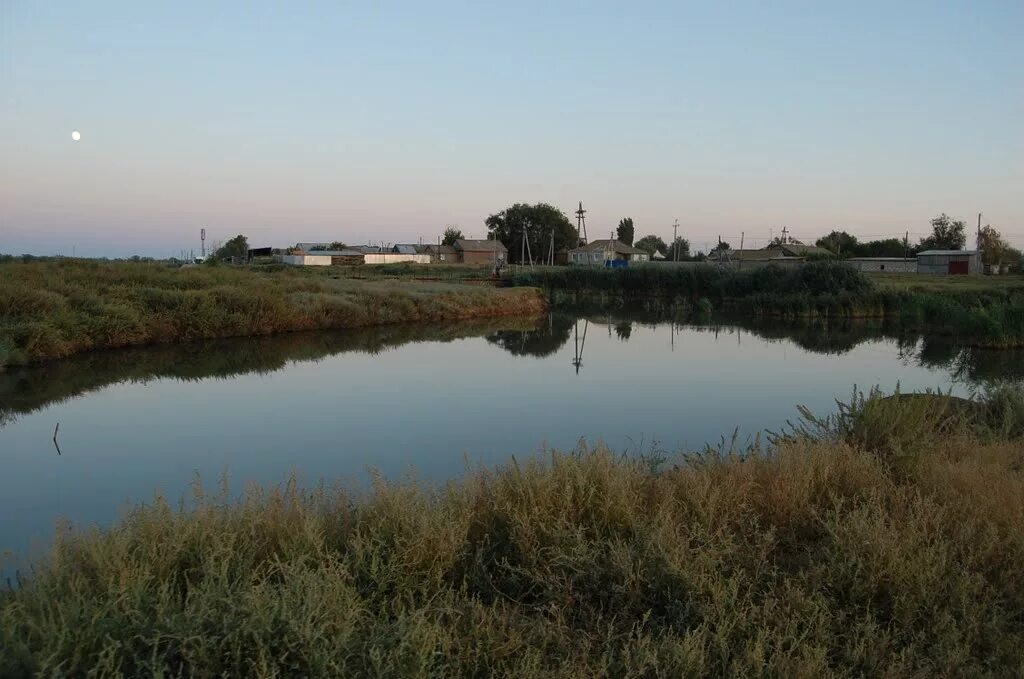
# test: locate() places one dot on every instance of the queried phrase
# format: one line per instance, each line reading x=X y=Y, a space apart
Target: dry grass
x=816 y=559
x=55 y=309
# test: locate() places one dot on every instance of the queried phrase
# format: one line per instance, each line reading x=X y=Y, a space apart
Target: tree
x=947 y=234
x=538 y=222
x=679 y=250
x=721 y=247
x=451 y=234
x=236 y=247
x=651 y=244
x=993 y=247
x=624 y=232
x=840 y=243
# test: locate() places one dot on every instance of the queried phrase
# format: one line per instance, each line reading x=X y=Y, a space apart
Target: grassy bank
x=883 y=542
x=58 y=308
x=982 y=311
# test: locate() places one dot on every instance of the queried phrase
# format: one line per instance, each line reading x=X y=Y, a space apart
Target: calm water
x=332 y=406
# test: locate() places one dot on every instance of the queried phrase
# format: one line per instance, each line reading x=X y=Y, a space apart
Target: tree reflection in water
x=26 y=389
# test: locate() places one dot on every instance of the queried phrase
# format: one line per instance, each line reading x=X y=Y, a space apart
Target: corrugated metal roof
x=405 y=249
x=335 y=253
x=948 y=252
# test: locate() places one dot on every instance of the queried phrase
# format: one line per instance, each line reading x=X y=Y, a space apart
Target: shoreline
x=845 y=547
x=57 y=310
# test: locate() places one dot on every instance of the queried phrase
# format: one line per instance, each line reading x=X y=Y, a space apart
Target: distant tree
x=624 y=232
x=890 y=247
x=651 y=244
x=1013 y=257
x=779 y=241
x=336 y=245
x=538 y=222
x=839 y=243
x=947 y=234
x=623 y=330
x=993 y=247
x=678 y=250
x=721 y=247
x=236 y=247
x=451 y=234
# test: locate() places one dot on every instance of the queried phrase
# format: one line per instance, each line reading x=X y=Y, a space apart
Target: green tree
x=236 y=247
x=947 y=234
x=451 y=234
x=993 y=247
x=721 y=247
x=840 y=243
x=890 y=247
x=651 y=244
x=679 y=250
x=625 y=232
x=538 y=222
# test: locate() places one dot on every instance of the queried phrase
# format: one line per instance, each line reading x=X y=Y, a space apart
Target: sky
x=376 y=122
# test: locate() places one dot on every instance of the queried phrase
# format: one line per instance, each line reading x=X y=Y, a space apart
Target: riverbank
x=55 y=309
x=885 y=541
x=977 y=312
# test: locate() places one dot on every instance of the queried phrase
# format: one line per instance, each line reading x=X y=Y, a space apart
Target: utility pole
x=739 y=260
x=906 y=245
x=202 y=237
x=675 y=237
x=581 y=226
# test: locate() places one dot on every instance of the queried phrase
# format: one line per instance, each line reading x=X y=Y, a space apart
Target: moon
x=76 y=135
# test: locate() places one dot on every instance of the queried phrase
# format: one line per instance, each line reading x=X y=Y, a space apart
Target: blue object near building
x=616 y=263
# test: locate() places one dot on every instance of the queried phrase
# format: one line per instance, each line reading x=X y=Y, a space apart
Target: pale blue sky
x=368 y=121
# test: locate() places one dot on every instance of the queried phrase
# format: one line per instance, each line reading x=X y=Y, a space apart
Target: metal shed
x=949 y=262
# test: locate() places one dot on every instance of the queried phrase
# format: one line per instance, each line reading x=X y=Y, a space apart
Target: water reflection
x=27 y=389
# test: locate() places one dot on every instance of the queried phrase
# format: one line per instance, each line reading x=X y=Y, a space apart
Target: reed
x=53 y=309
x=972 y=314
x=825 y=555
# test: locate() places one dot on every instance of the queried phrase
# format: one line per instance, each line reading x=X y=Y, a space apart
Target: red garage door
x=958 y=269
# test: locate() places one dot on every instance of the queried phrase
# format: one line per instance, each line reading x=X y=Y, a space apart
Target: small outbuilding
x=442 y=254
x=949 y=262
x=480 y=251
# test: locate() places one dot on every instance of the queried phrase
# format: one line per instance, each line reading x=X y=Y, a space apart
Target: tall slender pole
x=675 y=245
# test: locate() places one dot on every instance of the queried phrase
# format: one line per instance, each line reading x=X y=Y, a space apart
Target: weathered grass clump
x=53 y=309
x=815 y=558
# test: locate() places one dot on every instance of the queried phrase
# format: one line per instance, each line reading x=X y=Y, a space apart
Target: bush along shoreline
x=885 y=540
x=55 y=309
x=989 y=317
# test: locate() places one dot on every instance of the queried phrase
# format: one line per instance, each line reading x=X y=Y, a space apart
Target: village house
x=442 y=254
x=480 y=251
x=601 y=251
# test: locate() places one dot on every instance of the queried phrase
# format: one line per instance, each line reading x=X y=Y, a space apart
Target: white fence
x=393 y=258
